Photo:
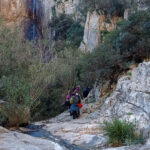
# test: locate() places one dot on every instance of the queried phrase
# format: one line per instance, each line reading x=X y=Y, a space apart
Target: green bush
x=23 y=76
x=75 y=34
x=126 y=45
x=65 y=28
x=65 y=78
x=121 y=132
x=108 y=7
x=59 y=25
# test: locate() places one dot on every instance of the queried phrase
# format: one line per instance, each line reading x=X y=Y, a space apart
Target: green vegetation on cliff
x=129 y=43
x=107 y=7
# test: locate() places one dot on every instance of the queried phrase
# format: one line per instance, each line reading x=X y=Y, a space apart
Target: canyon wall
x=96 y=25
x=13 y=11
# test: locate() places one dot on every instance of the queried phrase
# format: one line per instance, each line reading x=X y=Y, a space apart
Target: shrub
x=65 y=77
x=126 y=45
x=23 y=76
x=65 y=28
x=75 y=34
x=108 y=7
x=59 y=25
x=121 y=132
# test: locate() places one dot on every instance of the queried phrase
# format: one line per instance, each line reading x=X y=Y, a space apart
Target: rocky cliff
x=13 y=11
x=96 y=25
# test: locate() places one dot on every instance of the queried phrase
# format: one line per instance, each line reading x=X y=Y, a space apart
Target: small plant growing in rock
x=122 y=133
x=129 y=74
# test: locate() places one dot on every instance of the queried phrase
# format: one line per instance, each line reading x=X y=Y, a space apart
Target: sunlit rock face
x=131 y=99
x=68 y=7
x=34 y=15
x=95 y=25
x=13 y=11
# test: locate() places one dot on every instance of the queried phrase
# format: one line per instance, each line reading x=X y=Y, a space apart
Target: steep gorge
x=130 y=100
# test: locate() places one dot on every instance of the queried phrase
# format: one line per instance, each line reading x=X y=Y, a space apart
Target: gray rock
x=10 y=140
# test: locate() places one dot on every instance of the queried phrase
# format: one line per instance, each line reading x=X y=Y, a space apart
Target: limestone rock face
x=131 y=99
x=47 y=6
x=68 y=7
x=52 y=7
x=94 y=27
x=13 y=11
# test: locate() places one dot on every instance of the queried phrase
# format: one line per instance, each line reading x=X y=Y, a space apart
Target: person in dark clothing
x=67 y=102
x=75 y=101
x=86 y=91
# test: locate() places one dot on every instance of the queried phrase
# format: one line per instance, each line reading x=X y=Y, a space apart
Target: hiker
x=86 y=91
x=67 y=102
x=77 y=88
x=75 y=101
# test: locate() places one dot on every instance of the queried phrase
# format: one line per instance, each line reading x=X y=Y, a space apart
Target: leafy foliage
x=121 y=132
x=60 y=25
x=128 y=44
x=65 y=77
x=75 y=34
x=65 y=28
x=108 y=7
x=23 y=76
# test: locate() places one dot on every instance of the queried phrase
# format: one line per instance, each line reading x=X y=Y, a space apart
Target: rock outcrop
x=13 y=11
x=55 y=8
x=131 y=99
x=96 y=25
x=68 y=7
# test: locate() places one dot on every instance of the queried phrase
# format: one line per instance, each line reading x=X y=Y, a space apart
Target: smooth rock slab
x=17 y=141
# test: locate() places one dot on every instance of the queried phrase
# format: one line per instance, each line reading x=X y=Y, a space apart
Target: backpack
x=71 y=100
x=74 y=100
